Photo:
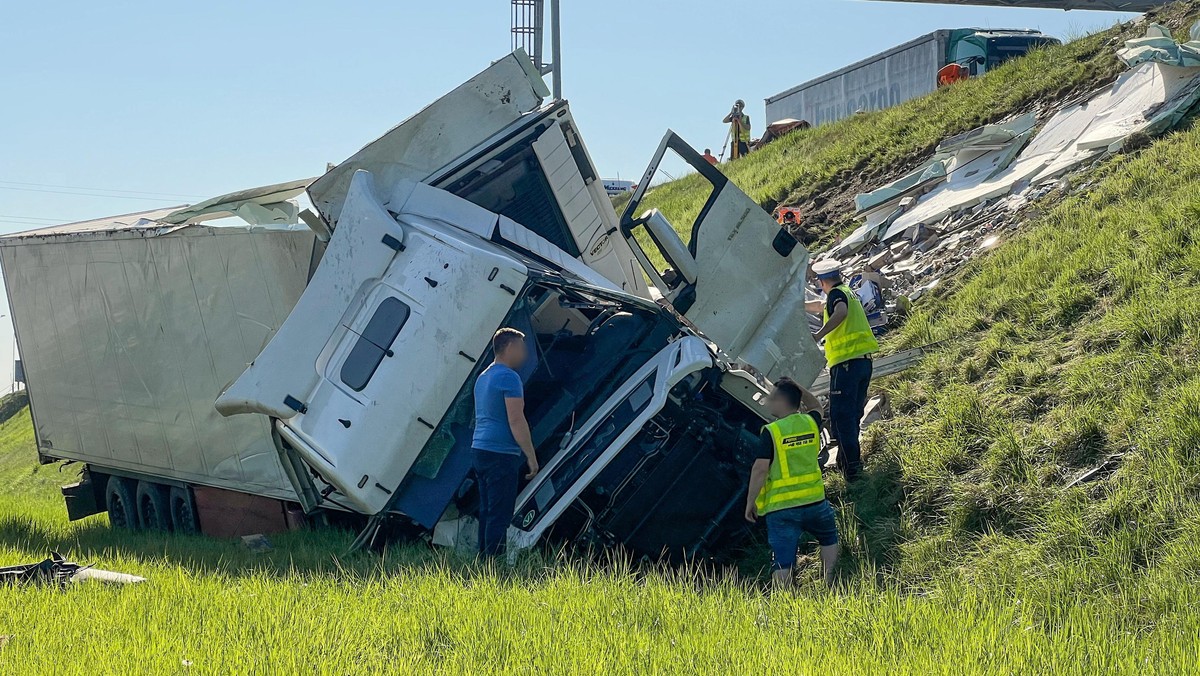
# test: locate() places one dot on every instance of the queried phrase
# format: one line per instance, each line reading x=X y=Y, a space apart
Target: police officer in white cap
x=849 y=345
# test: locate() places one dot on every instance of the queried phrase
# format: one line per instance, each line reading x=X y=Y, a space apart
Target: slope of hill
x=968 y=546
x=822 y=169
x=1074 y=346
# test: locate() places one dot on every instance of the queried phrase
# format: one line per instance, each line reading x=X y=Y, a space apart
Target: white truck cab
x=482 y=211
x=644 y=433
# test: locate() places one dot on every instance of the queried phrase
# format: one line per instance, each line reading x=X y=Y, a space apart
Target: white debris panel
x=994 y=161
x=968 y=197
x=1158 y=46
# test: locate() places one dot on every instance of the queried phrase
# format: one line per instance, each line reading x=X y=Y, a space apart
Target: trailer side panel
x=127 y=338
x=879 y=82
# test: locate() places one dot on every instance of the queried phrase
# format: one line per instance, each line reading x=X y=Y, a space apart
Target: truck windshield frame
x=1000 y=50
x=513 y=184
x=436 y=461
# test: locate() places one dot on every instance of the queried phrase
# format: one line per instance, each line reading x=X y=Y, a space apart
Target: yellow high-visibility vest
x=852 y=338
x=743 y=128
x=795 y=476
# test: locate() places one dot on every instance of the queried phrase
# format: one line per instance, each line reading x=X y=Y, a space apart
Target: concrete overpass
x=1105 y=5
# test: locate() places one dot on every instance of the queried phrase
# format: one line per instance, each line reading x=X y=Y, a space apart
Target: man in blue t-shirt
x=501 y=439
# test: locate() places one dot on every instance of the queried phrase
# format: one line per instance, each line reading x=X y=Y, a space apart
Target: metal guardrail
x=883 y=366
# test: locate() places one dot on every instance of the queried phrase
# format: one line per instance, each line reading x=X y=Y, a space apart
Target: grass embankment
x=821 y=169
x=963 y=545
x=211 y=607
x=964 y=549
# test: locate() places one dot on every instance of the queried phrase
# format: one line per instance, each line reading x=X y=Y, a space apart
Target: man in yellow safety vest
x=739 y=130
x=849 y=344
x=786 y=486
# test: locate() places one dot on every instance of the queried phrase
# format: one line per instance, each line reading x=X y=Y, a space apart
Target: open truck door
x=392 y=323
x=740 y=278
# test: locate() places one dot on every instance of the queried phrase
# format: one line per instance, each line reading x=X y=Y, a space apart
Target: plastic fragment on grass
x=1008 y=159
x=257 y=543
x=876 y=409
x=977 y=188
x=58 y=571
x=1144 y=100
x=950 y=155
x=1158 y=46
x=1105 y=468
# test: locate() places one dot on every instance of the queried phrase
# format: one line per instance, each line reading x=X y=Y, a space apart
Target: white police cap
x=827 y=269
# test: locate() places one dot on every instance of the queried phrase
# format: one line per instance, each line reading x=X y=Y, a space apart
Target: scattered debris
x=779 y=129
x=97 y=575
x=978 y=186
x=458 y=533
x=257 y=543
x=1158 y=46
x=1105 y=468
x=58 y=571
x=877 y=409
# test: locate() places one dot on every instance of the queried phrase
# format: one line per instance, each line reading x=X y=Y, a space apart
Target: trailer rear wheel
x=183 y=511
x=152 y=506
x=120 y=503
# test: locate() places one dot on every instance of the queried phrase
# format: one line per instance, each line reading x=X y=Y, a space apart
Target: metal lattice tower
x=528 y=20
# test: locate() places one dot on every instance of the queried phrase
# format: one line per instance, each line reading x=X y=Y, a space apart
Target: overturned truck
x=235 y=378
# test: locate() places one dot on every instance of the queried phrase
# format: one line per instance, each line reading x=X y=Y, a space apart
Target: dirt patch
x=12 y=404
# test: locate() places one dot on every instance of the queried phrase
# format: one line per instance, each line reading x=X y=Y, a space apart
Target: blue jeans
x=497 y=475
x=786 y=526
x=848 y=384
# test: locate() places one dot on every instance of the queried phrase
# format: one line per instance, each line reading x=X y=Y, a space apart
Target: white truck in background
x=616 y=186
x=481 y=211
x=901 y=73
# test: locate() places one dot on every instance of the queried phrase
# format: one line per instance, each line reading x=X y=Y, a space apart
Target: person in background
x=849 y=344
x=502 y=441
x=739 y=137
x=786 y=486
x=709 y=156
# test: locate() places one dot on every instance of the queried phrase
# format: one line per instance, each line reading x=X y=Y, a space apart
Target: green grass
x=964 y=549
x=211 y=607
x=1076 y=341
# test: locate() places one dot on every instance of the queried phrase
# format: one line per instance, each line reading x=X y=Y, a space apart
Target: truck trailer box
x=901 y=73
x=128 y=329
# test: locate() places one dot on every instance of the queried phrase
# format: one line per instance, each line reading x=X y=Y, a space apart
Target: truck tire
x=120 y=503
x=183 y=511
x=152 y=506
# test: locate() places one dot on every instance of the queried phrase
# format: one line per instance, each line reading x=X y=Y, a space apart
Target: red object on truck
x=951 y=73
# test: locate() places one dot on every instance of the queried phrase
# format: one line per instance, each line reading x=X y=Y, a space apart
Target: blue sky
x=188 y=100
